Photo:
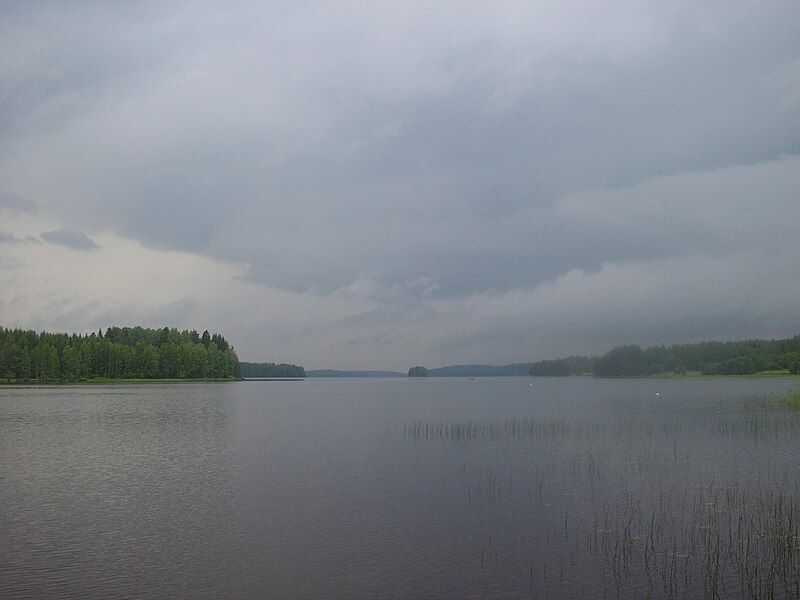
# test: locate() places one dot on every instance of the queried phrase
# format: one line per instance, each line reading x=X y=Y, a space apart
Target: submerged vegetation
x=789 y=400
x=702 y=503
x=119 y=353
x=708 y=358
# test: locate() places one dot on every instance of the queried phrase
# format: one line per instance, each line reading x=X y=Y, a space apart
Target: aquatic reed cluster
x=646 y=505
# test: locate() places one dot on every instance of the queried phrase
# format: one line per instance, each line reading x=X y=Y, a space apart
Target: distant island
x=747 y=357
x=342 y=374
x=418 y=372
x=476 y=370
x=271 y=370
x=119 y=353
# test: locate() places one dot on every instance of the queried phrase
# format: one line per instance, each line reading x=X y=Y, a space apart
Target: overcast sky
x=376 y=185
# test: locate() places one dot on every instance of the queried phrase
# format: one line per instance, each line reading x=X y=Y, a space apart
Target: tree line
x=119 y=353
x=745 y=357
x=272 y=370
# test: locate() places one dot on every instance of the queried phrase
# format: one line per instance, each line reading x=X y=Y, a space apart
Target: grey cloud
x=86 y=316
x=71 y=238
x=654 y=301
x=17 y=203
x=482 y=149
x=66 y=76
x=7 y=237
x=179 y=313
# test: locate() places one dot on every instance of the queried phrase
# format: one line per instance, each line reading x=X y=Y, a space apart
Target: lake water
x=398 y=488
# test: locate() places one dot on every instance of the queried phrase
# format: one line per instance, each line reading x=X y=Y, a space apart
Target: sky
x=376 y=185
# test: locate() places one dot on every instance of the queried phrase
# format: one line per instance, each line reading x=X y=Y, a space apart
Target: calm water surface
x=397 y=488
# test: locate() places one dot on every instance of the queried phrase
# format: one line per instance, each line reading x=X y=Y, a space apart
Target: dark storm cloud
x=71 y=238
x=485 y=148
x=16 y=203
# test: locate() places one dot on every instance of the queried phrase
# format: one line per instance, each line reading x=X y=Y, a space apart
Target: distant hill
x=335 y=373
x=745 y=357
x=515 y=370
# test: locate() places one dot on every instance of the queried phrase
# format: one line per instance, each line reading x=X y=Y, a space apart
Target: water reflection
x=107 y=489
x=565 y=488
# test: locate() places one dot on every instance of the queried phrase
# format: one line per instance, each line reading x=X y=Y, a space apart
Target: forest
x=119 y=353
x=746 y=357
x=272 y=370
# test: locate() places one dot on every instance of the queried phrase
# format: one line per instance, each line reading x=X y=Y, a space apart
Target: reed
x=625 y=508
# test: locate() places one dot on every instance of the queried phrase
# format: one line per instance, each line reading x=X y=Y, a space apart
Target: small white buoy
x=657 y=394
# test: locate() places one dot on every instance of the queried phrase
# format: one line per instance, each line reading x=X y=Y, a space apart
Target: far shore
x=699 y=375
x=136 y=381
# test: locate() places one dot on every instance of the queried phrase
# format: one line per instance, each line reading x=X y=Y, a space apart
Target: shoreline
x=105 y=381
x=762 y=375
x=143 y=381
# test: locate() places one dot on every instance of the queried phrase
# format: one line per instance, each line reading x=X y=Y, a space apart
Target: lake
x=398 y=488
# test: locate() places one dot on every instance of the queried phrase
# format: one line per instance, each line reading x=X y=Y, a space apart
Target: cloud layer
x=70 y=238
x=378 y=185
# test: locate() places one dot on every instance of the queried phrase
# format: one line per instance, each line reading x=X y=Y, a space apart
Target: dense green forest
x=271 y=370
x=709 y=358
x=119 y=353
